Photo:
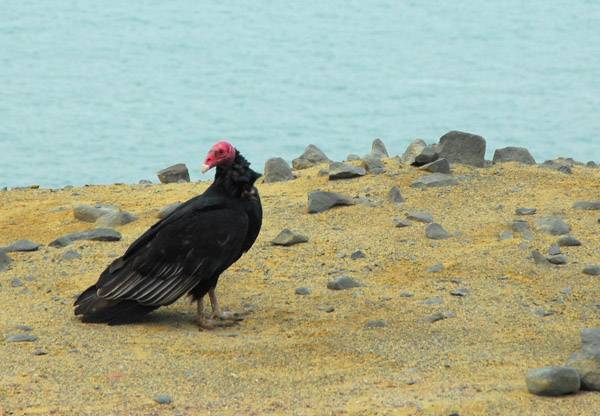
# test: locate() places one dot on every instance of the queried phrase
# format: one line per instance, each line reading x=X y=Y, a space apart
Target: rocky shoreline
x=435 y=282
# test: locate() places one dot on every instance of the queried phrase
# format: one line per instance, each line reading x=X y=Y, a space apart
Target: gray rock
x=554 y=249
x=357 y=255
x=438 y=166
x=288 y=238
x=588 y=367
x=312 y=156
x=277 y=170
x=21 y=245
x=372 y=164
x=463 y=291
x=343 y=283
x=590 y=340
x=174 y=174
x=163 y=399
x=460 y=147
x=61 y=242
x=352 y=157
x=88 y=213
x=16 y=282
x=426 y=156
x=338 y=170
x=5 y=261
x=438 y=267
x=513 y=154
x=539 y=259
x=430 y=301
x=434 y=317
x=526 y=211
x=168 y=209
x=592 y=270
x=71 y=255
x=98 y=234
x=558 y=165
x=115 y=219
x=552 y=381
x=435 y=231
x=412 y=151
x=319 y=201
x=519 y=226
x=587 y=205
x=420 y=216
x=377 y=323
x=434 y=180
x=568 y=241
x=402 y=224
x=552 y=226
x=506 y=235
x=394 y=196
x=304 y=291
x=378 y=149
x=557 y=259
x=21 y=338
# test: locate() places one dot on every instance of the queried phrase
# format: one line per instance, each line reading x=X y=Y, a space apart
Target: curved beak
x=205 y=168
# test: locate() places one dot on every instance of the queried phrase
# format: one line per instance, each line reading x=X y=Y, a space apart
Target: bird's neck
x=237 y=178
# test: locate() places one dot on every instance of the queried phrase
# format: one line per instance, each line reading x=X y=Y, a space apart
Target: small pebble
x=302 y=291
x=163 y=399
x=21 y=338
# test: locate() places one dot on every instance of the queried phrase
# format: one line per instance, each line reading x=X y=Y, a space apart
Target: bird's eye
x=221 y=151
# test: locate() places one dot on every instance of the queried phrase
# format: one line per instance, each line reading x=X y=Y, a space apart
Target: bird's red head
x=221 y=154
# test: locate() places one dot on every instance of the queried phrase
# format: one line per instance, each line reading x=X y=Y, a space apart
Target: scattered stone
x=377 y=323
x=319 y=201
x=394 y=196
x=378 y=149
x=115 y=219
x=30 y=278
x=435 y=231
x=528 y=235
x=539 y=259
x=412 y=151
x=552 y=226
x=591 y=164
x=438 y=267
x=61 y=242
x=587 y=205
x=21 y=338
x=5 y=261
x=463 y=291
x=421 y=217
x=434 y=317
x=88 y=213
x=174 y=174
x=358 y=255
x=21 y=245
x=592 y=270
x=426 y=156
x=98 y=234
x=288 y=238
x=460 y=147
x=506 y=235
x=277 y=170
x=71 y=255
x=557 y=259
x=163 y=399
x=352 y=157
x=552 y=381
x=402 y=224
x=312 y=156
x=568 y=241
x=438 y=166
x=303 y=291
x=168 y=209
x=16 y=282
x=430 y=301
x=342 y=283
x=372 y=164
x=526 y=211
x=588 y=367
x=338 y=170
x=433 y=180
x=558 y=165
x=590 y=340
x=39 y=351
x=519 y=226
x=513 y=154
x=554 y=249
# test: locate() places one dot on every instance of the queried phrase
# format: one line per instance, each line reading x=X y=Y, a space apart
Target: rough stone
x=277 y=170
x=426 y=156
x=342 y=283
x=506 y=235
x=303 y=291
x=352 y=157
x=377 y=323
x=5 y=261
x=438 y=316
x=319 y=201
x=420 y=216
x=372 y=164
x=378 y=149
x=513 y=154
x=435 y=231
x=552 y=226
x=16 y=282
x=174 y=174
x=357 y=255
x=288 y=238
x=115 y=219
x=312 y=156
x=433 y=180
x=21 y=338
x=519 y=226
x=71 y=255
x=87 y=213
x=21 y=245
x=526 y=211
x=437 y=166
x=338 y=170
x=61 y=242
x=168 y=209
x=438 y=267
x=98 y=234
x=590 y=340
x=592 y=270
x=412 y=151
x=568 y=241
x=557 y=259
x=461 y=147
x=588 y=367
x=587 y=205
x=539 y=259
x=394 y=196
x=163 y=399
x=558 y=165
x=553 y=381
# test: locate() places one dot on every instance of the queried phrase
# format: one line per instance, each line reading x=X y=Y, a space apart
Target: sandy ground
x=315 y=354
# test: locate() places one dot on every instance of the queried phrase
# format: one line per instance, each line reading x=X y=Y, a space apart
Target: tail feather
x=111 y=311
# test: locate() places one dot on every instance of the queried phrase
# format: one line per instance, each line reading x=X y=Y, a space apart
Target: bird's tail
x=111 y=311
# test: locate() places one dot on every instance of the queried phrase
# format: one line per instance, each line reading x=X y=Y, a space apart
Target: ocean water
x=105 y=92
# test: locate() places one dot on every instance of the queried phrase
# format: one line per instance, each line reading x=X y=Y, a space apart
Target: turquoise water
x=104 y=92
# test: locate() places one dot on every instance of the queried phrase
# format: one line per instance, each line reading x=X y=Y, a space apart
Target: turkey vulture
x=185 y=252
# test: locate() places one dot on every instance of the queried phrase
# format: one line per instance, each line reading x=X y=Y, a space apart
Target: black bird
x=185 y=252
